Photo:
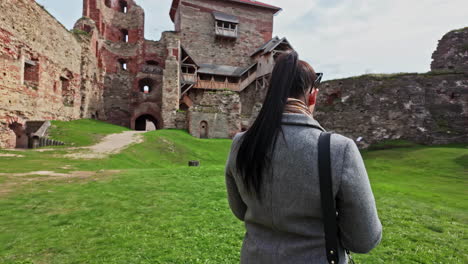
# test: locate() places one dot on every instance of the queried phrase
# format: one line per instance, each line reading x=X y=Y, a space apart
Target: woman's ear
x=313 y=97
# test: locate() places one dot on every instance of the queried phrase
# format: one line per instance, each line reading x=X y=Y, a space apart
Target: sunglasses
x=318 y=79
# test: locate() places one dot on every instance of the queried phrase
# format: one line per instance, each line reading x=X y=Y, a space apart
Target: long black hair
x=290 y=78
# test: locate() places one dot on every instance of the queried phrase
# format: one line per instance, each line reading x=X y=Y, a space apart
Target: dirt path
x=111 y=144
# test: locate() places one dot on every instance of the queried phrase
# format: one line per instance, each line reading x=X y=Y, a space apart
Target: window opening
x=123 y=64
x=31 y=73
x=67 y=92
x=152 y=62
x=125 y=35
x=123 y=7
x=146 y=85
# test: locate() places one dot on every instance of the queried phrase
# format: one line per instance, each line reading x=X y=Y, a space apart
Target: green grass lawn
x=82 y=132
x=155 y=209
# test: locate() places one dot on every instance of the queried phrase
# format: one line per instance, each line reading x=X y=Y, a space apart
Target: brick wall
x=36 y=53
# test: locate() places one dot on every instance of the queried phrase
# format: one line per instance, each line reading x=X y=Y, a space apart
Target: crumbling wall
x=219 y=110
x=92 y=76
x=171 y=80
x=427 y=108
x=40 y=67
x=452 y=52
x=195 y=20
x=134 y=67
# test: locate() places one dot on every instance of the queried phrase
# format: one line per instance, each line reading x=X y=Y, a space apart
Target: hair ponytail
x=259 y=141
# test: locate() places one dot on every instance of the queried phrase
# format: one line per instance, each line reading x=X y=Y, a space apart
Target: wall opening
x=146 y=123
x=31 y=73
x=67 y=92
x=123 y=7
x=124 y=35
x=146 y=85
x=123 y=64
x=152 y=63
x=203 y=129
x=108 y=3
x=87 y=28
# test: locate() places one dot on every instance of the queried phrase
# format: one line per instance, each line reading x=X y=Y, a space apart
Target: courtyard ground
x=144 y=205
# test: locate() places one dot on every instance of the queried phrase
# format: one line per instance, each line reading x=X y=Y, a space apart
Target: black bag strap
x=327 y=198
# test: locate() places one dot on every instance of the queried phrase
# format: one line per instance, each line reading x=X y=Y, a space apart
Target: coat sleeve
x=237 y=205
x=359 y=224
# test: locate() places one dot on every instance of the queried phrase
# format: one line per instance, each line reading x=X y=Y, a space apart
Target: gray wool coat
x=286 y=227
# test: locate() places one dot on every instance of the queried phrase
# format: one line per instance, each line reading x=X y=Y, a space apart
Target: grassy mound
x=82 y=132
x=158 y=210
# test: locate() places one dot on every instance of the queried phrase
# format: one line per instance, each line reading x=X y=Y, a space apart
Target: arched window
x=124 y=35
x=146 y=85
x=123 y=64
x=123 y=6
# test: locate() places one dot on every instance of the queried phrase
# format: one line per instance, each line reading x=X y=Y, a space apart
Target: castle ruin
x=208 y=76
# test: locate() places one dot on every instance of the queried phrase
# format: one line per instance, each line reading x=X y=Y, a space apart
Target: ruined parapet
x=92 y=77
x=427 y=108
x=452 y=52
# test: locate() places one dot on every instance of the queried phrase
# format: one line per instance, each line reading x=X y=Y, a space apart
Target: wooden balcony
x=214 y=85
x=189 y=78
x=226 y=32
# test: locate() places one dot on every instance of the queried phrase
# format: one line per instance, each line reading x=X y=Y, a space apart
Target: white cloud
x=339 y=37
x=352 y=37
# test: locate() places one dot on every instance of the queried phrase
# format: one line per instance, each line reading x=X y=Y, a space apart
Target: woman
x=273 y=183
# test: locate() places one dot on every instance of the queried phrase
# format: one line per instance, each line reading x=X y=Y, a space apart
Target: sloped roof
x=184 y=50
x=175 y=5
x=271 y=45
x=224 y=70
x=225 y=17
x=257 y=3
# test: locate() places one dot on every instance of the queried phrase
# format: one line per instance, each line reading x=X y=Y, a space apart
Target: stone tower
x=141 y=76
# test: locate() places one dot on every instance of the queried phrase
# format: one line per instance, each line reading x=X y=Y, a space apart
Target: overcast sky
x=341 y=38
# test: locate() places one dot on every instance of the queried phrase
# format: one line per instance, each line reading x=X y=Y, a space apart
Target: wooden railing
x=189 y=77
x=252 y=77
x=212 y=84
x=226 y=32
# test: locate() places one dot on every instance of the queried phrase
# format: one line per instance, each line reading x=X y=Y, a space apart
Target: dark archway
x=203 y=129
x=146 y=123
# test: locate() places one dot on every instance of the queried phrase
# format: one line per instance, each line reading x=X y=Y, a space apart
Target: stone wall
x=40 y=68
x=131 y=63
x=195 y=20
x=452 y=52
x=427 y=108
x=218 y=111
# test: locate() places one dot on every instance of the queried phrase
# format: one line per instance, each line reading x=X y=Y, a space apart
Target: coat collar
x=300 y=119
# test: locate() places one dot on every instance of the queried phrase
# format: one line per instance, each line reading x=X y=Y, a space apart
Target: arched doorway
x=146 y=123
x=203 y=129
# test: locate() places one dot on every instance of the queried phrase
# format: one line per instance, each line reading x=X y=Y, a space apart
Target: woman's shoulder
x=341 y=140
x=237 y=137
x=340 y=145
